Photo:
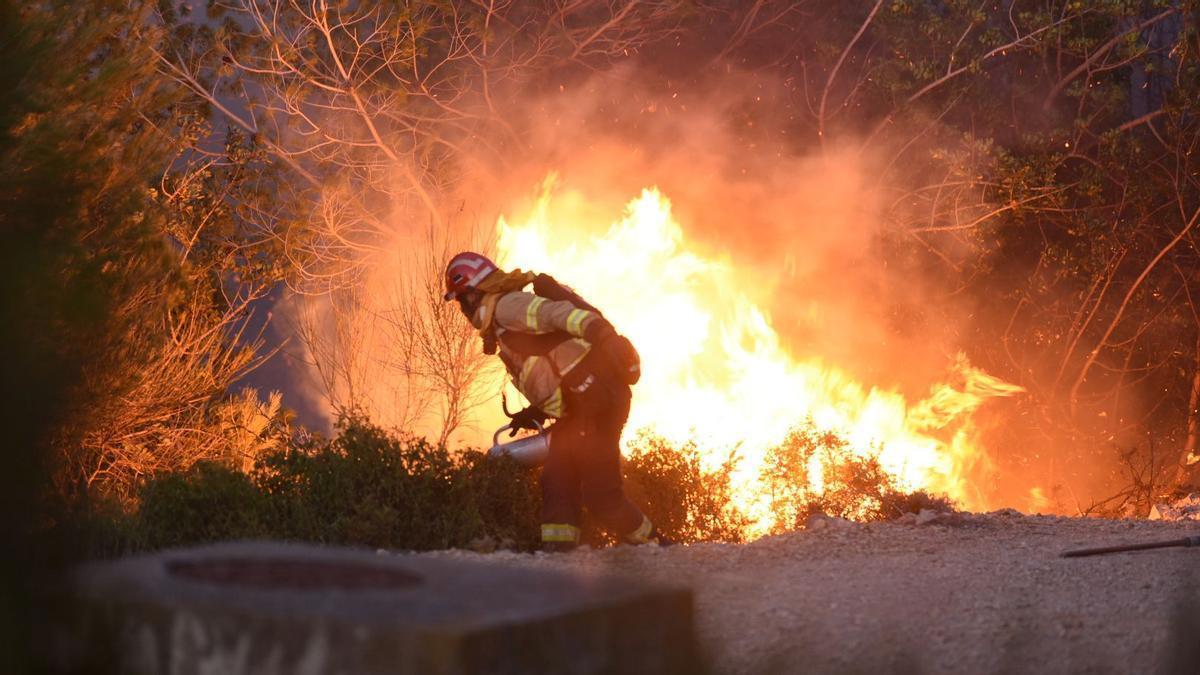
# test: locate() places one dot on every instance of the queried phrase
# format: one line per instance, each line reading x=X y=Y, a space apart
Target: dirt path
x=979 y=594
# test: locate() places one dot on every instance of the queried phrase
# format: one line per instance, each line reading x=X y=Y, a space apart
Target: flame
x=1039 y=502
x=715 y=371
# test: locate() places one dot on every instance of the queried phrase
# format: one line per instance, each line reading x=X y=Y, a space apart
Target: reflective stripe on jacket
x=538 y=377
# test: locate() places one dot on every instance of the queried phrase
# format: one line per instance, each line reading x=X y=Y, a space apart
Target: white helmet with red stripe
x=465 y=271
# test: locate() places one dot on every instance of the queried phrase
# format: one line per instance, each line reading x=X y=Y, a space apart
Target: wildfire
x=716 y=373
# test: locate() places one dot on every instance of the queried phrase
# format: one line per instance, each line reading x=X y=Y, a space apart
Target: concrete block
x=271 y=608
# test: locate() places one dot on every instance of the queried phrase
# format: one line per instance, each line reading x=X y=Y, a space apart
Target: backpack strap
x=533 y=344
x=548 y=287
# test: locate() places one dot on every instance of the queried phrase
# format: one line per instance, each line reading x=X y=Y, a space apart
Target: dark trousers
x=584 y=466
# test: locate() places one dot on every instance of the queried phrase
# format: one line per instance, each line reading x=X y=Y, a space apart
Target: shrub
x=372 y=488
x=369 y=487
x=365 y=487
x=205 y=503
x=685 y=502
x=852 y=486
x=506 y=497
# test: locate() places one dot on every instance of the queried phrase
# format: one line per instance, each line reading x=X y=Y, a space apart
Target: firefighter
x=573 y=367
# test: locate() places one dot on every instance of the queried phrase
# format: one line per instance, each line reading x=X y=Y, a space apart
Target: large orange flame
x=715 y=371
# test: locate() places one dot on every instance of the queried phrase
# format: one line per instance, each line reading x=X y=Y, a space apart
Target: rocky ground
x=957 y=594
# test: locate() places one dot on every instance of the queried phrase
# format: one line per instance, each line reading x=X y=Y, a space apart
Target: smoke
x=805 y=226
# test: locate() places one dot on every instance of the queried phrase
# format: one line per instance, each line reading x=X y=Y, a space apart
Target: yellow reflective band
x=584 y=347
x=553 y=406
x=575 y=321
x=531 y=313
x=526 y=371
x=560 y=532
x=642 y=534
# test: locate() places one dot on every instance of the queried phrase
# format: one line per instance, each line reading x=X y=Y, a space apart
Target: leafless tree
x=377 y=110
x=372 y=106
x=444 y=348
x=167 y=407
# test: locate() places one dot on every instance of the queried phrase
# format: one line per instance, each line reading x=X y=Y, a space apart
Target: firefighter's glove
x=618 y=352
x=530 y=418
x=623 y=358
x=598 y=331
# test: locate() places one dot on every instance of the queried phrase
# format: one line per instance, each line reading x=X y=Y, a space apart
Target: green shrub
x=507 y=498
x=365 y=487
x=369 y=487
x=205 y=503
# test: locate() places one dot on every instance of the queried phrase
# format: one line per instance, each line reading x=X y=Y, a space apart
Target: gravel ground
x=963 y=594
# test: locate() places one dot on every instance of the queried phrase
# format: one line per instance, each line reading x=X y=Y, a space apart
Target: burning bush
x=816 y=472
x=684 y=500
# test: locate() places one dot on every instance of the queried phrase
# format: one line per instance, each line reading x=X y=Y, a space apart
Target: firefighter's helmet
x=465 y=271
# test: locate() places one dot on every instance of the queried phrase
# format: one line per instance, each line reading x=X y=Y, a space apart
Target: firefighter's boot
x=559 y=537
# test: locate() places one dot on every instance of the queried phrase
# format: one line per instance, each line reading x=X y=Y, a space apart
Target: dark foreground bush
x=206 y=503
x=365 y=487
x=368 y=487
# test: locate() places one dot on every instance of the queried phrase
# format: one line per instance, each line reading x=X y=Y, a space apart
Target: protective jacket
x=540 y=341
x=570 y=363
